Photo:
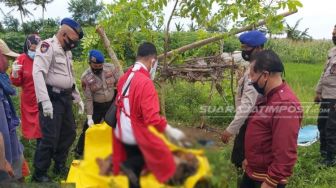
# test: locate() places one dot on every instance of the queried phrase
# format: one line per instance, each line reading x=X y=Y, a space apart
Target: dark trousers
x=247 y=182
x=238 y=151
x=58 y=134
x=99 y=111
x=135 y=161
x=327 y=126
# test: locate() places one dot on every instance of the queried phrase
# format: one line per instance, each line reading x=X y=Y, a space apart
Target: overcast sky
x=318 y=16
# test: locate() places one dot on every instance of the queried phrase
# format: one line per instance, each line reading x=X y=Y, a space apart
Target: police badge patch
x=44 y=47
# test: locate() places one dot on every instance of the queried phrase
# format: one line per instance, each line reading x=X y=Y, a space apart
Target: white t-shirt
x=127 y=135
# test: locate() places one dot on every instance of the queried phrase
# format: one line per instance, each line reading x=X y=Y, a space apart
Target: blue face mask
x=31 y=54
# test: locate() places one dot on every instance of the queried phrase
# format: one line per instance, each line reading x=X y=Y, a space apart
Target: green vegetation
x=307 y=173
x=184 y=101
x=128 y=23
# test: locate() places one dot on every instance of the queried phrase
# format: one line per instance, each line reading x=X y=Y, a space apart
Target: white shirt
x=127 y=135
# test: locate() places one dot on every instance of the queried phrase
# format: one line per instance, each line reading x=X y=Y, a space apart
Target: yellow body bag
x=98 y=144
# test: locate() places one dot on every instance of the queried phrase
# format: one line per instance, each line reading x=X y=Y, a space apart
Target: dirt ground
x=208 y=137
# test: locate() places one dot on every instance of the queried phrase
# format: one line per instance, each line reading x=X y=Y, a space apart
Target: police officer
x=98 y=83
x=326 y=95
x=251 y=43
x=56 y=91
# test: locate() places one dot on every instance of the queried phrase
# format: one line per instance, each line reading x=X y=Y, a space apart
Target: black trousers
x=58 y=134
x=135 y=161
x=99 y=111
x=326 y=123
x=238 y=150
x=247 y=182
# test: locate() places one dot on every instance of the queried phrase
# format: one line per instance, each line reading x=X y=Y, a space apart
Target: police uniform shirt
x=52 y=66
x=327 y=83
x=99 y=88
x=246 y=98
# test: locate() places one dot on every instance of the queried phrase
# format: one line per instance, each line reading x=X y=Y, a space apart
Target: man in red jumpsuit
x=21 y=76
x=134 y=146
x=273 y=126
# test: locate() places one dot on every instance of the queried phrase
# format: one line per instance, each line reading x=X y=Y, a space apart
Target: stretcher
x=98 y=144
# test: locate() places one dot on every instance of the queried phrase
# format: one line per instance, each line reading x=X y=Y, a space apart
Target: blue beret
x=74 y=25
x=253 y=38
x=95 y=56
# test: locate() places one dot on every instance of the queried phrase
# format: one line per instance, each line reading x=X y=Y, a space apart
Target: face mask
x=153 y=69
x=246 y=54
x=70 y=44
x=31 y=54
x=260 y=90
x=334 y=40
x=97 y=71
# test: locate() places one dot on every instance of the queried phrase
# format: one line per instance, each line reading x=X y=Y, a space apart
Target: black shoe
x=324 y=161
x=130 y=174
x=60 y=169
x=329 y=161
x=41 y=178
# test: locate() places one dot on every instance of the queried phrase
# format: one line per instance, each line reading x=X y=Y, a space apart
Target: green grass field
x=307 y=173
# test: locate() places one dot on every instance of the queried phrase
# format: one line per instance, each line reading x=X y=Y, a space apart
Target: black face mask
x=97 y=71
x=334 y=40
x=70 y=44
x=257 y=88
x=246 y=54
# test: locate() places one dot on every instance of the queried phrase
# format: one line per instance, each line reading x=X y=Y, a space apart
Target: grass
x=307 y=173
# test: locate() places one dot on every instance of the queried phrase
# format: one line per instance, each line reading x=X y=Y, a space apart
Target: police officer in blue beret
x=251 y=42
x=98 y=83
x=56 y=91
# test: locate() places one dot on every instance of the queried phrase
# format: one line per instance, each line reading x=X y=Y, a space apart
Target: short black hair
x=146 y=49
x=267 y=60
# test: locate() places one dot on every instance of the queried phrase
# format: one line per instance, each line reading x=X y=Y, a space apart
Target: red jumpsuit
x=144 y=110
x=29 y=109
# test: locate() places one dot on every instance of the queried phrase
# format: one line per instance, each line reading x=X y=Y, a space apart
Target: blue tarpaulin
x=308 y=135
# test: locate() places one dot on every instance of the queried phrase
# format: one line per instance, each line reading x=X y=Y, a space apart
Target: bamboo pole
x=110 y=51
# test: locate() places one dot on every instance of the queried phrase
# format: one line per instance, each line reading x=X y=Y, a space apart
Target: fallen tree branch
x=216 y=38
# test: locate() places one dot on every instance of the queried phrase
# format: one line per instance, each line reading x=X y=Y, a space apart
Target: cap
x=74 y=25
x=95 y=56
x=6 y=51
x=253 y=38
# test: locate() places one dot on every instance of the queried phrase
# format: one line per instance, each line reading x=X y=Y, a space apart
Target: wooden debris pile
x=201 y=69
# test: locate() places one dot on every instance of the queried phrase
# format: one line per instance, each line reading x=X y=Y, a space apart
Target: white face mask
x=153 y=69
x=31 y=54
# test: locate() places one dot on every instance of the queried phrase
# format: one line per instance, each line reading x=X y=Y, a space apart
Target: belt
x=60 y=91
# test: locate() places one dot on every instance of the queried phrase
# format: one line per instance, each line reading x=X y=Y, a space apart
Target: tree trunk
x=110 y=51
x=163 y=82
x=42 y=17
x=21 y=17
x=216 y=38
x=162 y=96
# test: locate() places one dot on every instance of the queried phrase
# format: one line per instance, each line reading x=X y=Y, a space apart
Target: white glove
x=90 y=122
x=15 y=68
x=47 y=109
x=81 y=107
x=174 y=133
